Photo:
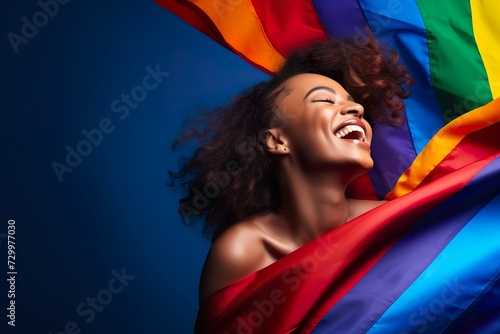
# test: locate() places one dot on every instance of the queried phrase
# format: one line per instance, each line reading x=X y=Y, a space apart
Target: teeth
x=351 y=128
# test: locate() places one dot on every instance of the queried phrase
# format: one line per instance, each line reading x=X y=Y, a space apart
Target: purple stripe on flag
x=392 y=152
x=340 y=18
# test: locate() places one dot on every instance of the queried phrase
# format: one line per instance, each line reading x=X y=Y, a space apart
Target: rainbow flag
x=429 y=260
x=450 y=46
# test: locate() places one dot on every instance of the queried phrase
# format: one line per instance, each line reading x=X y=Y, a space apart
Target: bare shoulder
x=238 y=252
x=357 y=206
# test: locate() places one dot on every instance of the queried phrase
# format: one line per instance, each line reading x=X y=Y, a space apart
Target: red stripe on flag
x=289 y=24
x=362 y=188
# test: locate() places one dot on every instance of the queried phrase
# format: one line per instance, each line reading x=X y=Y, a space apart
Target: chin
x=368 y=165
x=364 y=163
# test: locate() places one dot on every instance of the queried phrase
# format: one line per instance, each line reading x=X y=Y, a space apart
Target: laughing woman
x=278 y=160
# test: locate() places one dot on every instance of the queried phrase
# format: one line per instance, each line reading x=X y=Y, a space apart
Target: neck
x=312 y=203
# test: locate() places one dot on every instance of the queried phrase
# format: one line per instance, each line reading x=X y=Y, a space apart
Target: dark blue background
x=113 y=210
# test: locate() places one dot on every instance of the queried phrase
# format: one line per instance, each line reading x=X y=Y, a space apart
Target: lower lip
x=360 y=143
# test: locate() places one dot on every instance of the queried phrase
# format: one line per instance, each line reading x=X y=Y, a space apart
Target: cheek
x=300 y=127
x=282 y=118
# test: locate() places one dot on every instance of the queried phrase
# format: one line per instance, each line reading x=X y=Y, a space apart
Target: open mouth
x=351 y=132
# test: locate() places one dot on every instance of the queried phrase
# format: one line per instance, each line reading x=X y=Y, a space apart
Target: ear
x=276 y=142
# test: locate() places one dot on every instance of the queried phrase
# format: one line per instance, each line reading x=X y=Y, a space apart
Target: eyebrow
x=331 y=90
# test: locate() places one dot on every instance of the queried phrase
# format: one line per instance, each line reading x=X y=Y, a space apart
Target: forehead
x=304 y=82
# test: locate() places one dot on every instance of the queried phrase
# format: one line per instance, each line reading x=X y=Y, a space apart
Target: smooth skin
x=314 y=169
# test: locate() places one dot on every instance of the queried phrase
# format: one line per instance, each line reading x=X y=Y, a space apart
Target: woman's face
x=324 y=127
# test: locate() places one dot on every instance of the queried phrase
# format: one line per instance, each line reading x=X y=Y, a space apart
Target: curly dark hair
x=230 y=176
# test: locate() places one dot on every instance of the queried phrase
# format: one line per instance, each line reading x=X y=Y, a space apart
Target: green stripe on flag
x=457 y=70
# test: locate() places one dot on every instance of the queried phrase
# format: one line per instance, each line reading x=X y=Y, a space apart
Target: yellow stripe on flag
x=486 y=27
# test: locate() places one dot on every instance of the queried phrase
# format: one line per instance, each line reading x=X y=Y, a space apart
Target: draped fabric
x=428 y=261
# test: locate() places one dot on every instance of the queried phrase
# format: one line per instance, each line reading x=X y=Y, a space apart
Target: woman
x=273 y=171
x=274 y=178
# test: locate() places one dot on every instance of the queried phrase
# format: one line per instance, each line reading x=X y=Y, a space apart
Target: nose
x=353 y=108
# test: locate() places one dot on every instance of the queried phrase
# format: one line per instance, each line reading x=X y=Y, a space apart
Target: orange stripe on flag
x=241 y=29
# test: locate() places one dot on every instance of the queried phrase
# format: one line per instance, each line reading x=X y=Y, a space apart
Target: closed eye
x=325 y=100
